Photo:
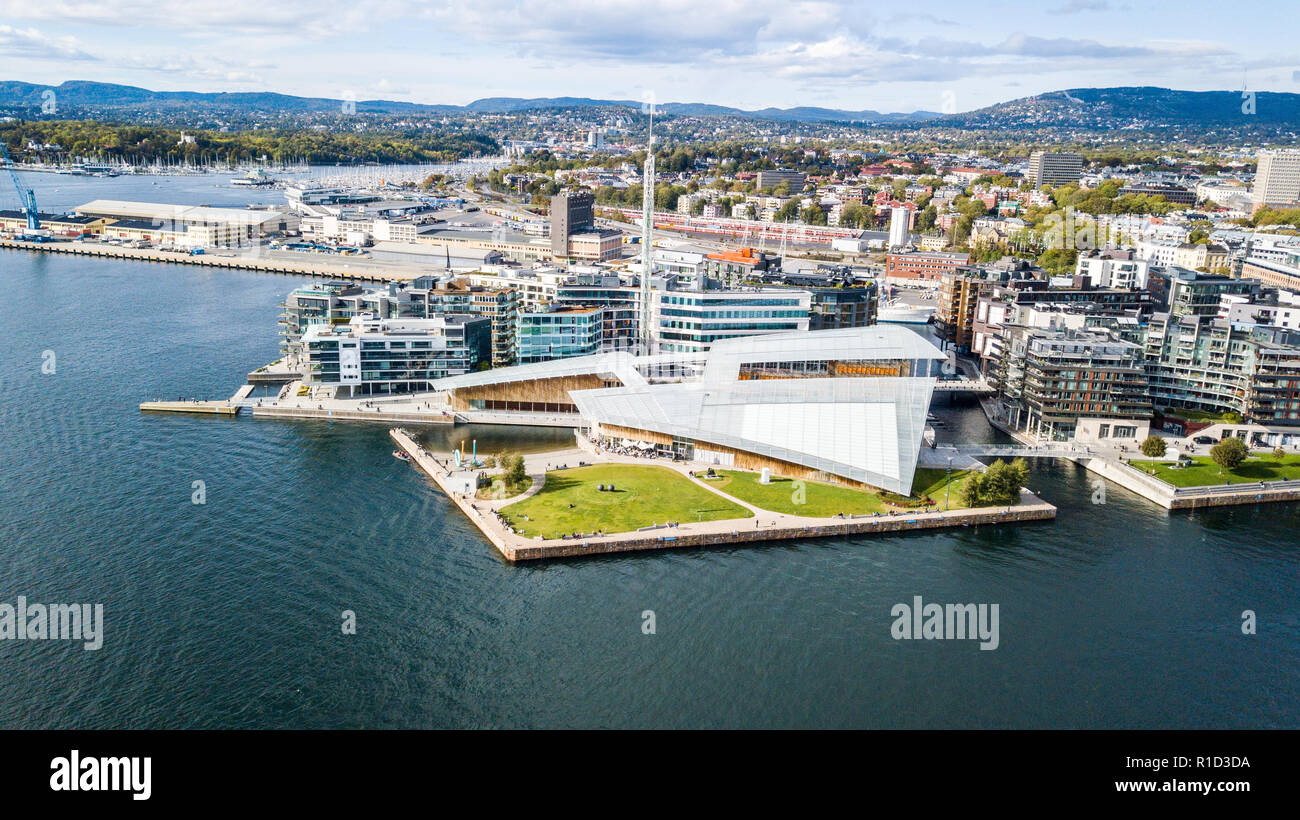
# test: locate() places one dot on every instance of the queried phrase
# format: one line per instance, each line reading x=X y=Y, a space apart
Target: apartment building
x=1186 y=292
x=1112 y=269
x=371 y=356
x=1204 y=363
x=1053 y=168
x=923 y=266
x=1049 y=380
x=558 y=332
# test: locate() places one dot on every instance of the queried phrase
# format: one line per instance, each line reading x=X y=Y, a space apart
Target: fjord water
x=228 y=614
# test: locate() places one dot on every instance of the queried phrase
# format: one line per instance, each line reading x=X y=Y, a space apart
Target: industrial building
x=232 y=227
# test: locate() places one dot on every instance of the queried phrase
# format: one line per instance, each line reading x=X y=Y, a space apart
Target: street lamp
x=947 y=485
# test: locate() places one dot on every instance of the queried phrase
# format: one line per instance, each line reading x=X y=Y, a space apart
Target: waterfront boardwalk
x=362 y=271
x=764 y=527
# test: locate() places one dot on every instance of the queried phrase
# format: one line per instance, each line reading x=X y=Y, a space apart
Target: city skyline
x=933 y=57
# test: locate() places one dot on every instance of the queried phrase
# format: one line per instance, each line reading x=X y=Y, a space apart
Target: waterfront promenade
x=763 y=526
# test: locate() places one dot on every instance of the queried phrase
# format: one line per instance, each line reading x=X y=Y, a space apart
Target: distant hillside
x=108 y=97
x=1132 y=108
x=1094 y=109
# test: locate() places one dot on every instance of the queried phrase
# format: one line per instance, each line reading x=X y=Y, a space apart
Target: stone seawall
x=865 y=526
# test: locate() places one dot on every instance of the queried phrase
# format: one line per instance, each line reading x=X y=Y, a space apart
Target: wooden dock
x=206 y=408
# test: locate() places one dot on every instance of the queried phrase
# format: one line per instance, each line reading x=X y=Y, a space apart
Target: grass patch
x=818 y=499
x=785 y=495
x=1204 y=472
x=933 y=482
x=643 y=495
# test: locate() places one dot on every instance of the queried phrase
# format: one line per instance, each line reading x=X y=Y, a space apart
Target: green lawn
x=931 y=481
x=818 y=499
x=1201 y=415
x=1205 y=472
x=643 y=495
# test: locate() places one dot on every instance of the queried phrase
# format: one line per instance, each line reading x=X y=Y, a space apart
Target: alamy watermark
x=946 y=622
x=54 y=622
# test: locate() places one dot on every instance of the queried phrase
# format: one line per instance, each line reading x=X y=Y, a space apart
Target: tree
x=1153 y=447
x=1229 y=453
x=972 y=490
x=1279 y=453
x=516 y=474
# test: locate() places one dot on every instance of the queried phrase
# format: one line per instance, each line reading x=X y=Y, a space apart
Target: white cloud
x=33 y=44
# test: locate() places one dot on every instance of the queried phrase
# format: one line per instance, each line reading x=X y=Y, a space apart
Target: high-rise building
x=900 y=222
x=771 y=179
x=1277 y=178
x=571 y=212
x=1052 y=168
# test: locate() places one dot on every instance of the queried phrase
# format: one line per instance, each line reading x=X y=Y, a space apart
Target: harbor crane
x=26 y=196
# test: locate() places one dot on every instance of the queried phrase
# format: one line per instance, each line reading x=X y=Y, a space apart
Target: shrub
x=1229 y=453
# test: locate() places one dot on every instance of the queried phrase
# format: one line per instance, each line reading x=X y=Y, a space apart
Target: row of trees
x=142 y=143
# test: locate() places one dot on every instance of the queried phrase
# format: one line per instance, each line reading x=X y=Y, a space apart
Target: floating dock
x=206 y=408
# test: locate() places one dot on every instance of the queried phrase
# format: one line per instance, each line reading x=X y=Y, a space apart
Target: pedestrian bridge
x=1057 y=450
x=964 y=385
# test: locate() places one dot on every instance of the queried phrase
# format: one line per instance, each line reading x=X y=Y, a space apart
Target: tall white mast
x=647 y=228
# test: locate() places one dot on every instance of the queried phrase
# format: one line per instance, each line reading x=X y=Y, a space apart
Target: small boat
x=898 y=312
x=401 y=455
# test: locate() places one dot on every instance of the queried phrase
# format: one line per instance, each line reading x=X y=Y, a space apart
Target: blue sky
x=943 y=56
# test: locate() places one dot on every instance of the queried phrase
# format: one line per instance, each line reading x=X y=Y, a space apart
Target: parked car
x=1204 y=440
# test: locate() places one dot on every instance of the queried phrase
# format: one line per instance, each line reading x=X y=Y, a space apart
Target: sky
x=935 y=55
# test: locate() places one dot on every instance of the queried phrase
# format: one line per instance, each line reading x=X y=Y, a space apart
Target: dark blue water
x=228 y=614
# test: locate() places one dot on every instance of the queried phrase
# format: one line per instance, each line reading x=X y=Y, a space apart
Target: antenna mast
x=647 y=228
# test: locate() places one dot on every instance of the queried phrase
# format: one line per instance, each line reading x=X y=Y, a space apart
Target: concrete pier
x=369 y=272
x=769 y=526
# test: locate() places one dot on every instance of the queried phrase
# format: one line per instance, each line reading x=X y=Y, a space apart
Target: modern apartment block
x=1051 y=380
x=1032 y=303
x=1204 y=363
x=691 y=321
x=1052 y=168
x=1277 y=179
x=959 y=291
x=434 y=297
x=619 y=301
x=1112 y=269
x=1185 y=292
x=558 y=332
x=336 y=303
x=371 y=356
